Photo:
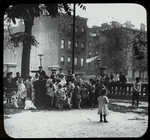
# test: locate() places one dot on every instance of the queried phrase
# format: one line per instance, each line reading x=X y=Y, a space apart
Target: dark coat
x=40 y=91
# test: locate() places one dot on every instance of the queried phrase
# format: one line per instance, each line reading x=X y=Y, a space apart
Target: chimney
x=128 y=24
x=142 y=27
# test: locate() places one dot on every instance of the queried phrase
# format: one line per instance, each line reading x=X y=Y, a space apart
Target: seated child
x=14 y=99
x=29 y=104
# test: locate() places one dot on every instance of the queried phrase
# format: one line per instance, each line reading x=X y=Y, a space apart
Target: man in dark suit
x=69 y=76
x=41 y=72
x=8 y=81
x=123 y=81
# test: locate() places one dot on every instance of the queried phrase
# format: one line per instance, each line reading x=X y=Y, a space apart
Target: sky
x=102 y=13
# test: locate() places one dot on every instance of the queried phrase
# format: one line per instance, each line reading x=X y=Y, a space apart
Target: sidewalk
x=78 y=123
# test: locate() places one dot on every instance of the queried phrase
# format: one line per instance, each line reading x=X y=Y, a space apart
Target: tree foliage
x=139 y=59
x=27 y=13
x=115 y=48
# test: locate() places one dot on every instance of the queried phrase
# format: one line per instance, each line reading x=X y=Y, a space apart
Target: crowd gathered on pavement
x=61 y=90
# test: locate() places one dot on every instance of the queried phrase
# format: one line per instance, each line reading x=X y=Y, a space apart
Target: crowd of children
x=61 y=91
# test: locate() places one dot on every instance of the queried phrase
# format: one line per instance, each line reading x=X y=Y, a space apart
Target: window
x=75 y=61
x=76 y=29
x=70 y=28
x=82 y=62
x=97 y=42
x=89 y=53
x=90 y=44
x=62 y=44
x=69 y=60
x=69 y=45
x=63 y=27
x=82 y=30
x=62 y=60
x=90 y=33
x=96 y=66
x=96 y=52
x=82 y=46
x=76 y=45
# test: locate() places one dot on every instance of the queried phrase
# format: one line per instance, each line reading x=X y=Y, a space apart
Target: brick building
x=94 y=40
x=55 y=43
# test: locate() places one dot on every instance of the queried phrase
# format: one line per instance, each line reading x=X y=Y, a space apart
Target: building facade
x=55 y=44
x=95 y=40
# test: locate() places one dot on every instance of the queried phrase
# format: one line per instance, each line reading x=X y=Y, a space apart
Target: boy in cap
x=136 y=91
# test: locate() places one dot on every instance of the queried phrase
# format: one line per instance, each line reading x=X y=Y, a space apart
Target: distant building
x=95 y=40
x=55 y=43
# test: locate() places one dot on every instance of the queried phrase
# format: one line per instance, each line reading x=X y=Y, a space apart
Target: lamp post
x=40 y=55
x=74 y=11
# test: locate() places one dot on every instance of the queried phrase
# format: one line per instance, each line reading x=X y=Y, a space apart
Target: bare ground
x=124 y=121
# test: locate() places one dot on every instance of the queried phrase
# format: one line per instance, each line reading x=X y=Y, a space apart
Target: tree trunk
x=25 y=66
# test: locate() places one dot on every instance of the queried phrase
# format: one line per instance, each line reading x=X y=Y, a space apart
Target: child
x=28 y=85
x=14 y=99
x=84 y=95
x=77 y=95
x=70 y=93
x=22 y=92
x=29 y=104
x=136 y=91
x=50 y=91
x=60 y=96
x=103 y=105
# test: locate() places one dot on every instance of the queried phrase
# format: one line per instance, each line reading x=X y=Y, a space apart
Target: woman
x=39 y=87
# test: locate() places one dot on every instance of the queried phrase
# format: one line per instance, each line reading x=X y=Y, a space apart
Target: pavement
x=78 y=123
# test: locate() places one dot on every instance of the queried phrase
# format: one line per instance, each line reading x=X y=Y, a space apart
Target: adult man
x=41 y=72
x=60 y=72
x=16 y=79
x=8 y=81
x=69 y=76
x=123 y=81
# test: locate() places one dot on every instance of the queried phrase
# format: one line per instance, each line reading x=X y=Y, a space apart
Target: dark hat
x=8 y=73
x=60 y=69
x=17 y=73
x=29 y=77
x=137 y=78
x=40 y=67
x=69 y=70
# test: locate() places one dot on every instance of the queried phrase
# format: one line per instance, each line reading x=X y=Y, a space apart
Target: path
x=74 y=123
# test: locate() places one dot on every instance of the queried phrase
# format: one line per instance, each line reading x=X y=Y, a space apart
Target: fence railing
x=126 y=90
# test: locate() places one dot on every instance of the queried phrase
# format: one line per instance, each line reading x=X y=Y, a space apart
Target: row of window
x=77 y=61
x=69 y=44
x=70 y=28
x=90 y=54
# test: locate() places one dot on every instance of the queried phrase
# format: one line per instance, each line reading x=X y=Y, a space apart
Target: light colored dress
x=29 y=105
x=103 y=105
x=22 y=92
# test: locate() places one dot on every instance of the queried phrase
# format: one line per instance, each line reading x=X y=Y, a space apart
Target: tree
x=115 y=47
x=140 y=53
x=27 y=13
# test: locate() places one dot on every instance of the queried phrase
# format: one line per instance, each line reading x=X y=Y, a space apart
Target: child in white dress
x=29 y=104
x=103 y=105
x=22 y=92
